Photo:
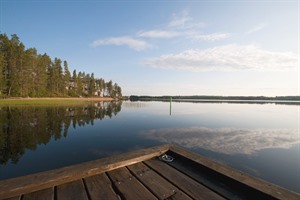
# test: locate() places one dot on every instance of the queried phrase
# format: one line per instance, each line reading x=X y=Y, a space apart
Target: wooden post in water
x=170 y=105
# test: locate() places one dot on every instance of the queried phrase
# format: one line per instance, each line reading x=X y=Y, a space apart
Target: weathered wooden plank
x=239 y=184
x=129 y=186
x=45 y=194
x=72 y=191
x=30 y=183
x=185 y=183
x=211 y=179
x=14 y=198
x=155 y=183
x=99 y=187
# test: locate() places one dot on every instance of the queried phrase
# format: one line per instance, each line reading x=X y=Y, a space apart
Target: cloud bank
x=181 y=25
x=226 y=140
x=226 y=58
x=135 y=44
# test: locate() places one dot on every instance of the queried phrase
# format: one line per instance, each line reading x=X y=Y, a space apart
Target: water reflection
x=226 y=140
x=27 y=127
x=136 y=104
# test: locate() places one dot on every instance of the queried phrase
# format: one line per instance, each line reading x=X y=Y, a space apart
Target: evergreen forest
x=25 y=73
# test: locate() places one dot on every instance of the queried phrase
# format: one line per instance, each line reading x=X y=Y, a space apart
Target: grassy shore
x=51 y=101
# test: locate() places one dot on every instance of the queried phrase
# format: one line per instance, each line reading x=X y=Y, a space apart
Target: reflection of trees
x=27 y=127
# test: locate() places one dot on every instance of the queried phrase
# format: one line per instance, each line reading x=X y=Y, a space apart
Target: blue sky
x=168 y=47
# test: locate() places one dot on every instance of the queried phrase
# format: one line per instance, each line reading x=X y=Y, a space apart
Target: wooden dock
x=142 y=175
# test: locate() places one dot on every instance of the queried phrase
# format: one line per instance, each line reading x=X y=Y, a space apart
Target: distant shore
x=214 y=98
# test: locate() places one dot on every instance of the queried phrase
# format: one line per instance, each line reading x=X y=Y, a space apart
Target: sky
x=229 y=48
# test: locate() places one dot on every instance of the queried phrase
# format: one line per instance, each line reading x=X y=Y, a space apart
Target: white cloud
x=188 y=34
x=210 y=37
x=184 y=21
x=135 y=44
x=180 y=21
x=256 y=28
x=226 y=58
x=182 y=25
x=226 y=140
x=158 y=34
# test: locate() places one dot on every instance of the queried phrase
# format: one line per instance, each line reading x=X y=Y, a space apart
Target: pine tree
x=2 y=73
x=43 y=63
x=27 y=73
x=72 y=87
x=117 y=91
x=79 y=85
x=50 y=79
x=102 y=86
x=15 y=50
x=85 y=83
x=67 y=76
x=58 y=77
x=92 y=85
x=4 y=43
x=109 y=88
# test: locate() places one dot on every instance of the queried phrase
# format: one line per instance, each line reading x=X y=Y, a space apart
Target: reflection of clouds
x=226 y=140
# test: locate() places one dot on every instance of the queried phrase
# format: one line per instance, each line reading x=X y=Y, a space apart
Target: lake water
x=261 y=139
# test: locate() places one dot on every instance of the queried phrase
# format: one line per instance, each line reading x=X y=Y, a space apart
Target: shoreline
x=59 y=98
x=53 y=101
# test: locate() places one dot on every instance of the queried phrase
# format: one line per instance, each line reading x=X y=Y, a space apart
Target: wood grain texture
x=45 y=194
x=129 y=186
x=72 y=191
x=262 y=188
x=155 y=183
x=100 y=187
x=185 y=183
x=30 y=183
x=14 y=198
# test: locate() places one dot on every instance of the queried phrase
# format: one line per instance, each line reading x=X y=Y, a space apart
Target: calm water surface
x=260 y=139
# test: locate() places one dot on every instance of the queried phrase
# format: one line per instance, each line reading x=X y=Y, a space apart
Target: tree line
x=25 y=73
x=204 y=97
